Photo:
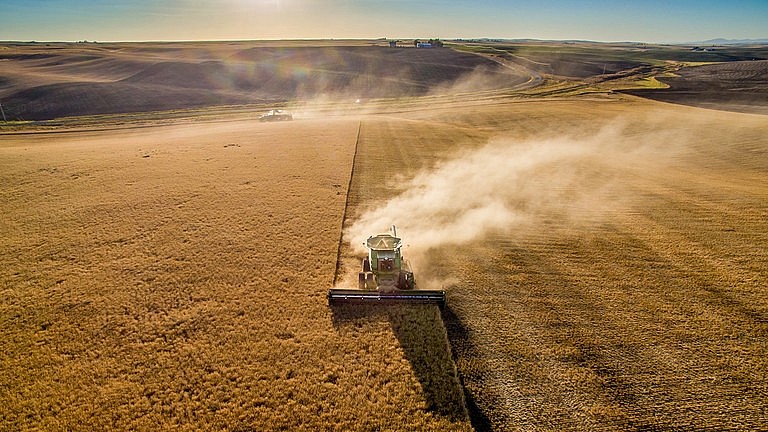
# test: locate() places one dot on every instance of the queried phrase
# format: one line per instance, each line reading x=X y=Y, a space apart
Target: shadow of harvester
x=420 y=331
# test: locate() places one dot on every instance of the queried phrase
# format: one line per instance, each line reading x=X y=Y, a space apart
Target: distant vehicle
x=276 y=115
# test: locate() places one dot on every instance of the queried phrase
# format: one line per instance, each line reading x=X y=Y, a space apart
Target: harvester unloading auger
x=386 y=277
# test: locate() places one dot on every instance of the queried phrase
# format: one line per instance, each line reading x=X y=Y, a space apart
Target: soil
x=736 y=86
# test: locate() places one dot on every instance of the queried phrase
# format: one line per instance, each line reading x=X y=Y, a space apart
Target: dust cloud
x=365 y=93
x=481 y=78
x=510 y=187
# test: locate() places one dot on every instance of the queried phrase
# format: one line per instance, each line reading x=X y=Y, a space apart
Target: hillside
x=734 y=86
x=58 y=80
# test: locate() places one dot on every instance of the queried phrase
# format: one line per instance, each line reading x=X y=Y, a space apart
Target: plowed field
x=740 y=86
x=48 y=81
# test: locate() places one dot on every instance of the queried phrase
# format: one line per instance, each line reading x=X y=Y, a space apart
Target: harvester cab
x=385 y=265
x=385 y=277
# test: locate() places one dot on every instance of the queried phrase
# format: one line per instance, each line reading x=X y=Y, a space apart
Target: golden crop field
x=605 y=256
x=175 y=277
x=623 y=287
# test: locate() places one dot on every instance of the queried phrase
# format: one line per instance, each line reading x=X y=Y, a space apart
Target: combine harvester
x=386 y=277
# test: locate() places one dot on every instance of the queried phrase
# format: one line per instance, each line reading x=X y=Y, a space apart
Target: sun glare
x=264 y=3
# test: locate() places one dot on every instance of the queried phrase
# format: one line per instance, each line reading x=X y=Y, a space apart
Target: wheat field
x=175 y=277
x=625 y=291
x=604 y=257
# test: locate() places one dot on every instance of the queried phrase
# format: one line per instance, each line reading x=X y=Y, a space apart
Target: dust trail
x=362 y=94
x=510 y=186
x=481 y=78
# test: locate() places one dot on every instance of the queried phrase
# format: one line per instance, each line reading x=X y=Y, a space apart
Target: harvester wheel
x=361 y=280
x=369 y=281
x=402 y=281
x=366 y=265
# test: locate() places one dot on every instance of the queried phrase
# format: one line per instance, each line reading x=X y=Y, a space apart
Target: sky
x=652 y=21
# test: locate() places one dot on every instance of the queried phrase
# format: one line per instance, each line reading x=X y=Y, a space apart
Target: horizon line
x=454 y=39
